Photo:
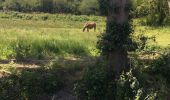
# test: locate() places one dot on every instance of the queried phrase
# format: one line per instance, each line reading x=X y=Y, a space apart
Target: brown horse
x=89 y=25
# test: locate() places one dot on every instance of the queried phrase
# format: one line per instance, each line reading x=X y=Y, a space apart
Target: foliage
x=12 y=5
x=52 y=6
x=156 y=12
x=140 y=83
x=89 y=87
x=52 y=17
x=143 y=41
x=140 y=8
x=89 y=7
x=159 y=12
x=31 y=5
x=161 y=66
x=103 y=5
x=29 y=84
x=61 y=6
x=95 y=79
x=116 y=38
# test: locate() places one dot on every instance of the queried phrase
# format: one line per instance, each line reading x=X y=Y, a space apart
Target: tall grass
x=44 y=36
x=45 y=39
x=30 y=48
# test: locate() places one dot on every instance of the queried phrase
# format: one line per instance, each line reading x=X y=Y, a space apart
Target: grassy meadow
x=45 y=36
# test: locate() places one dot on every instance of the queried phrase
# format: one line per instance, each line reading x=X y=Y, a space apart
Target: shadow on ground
x=30 y=81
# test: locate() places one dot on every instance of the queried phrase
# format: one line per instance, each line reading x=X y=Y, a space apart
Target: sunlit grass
x=46 y=35
x=162 y=34
x=61 y=35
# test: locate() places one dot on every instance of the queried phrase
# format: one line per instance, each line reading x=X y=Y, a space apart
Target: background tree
x=1 y=4
x=89 y=7
x=47 y=5
x=12 y=5
x=159 y=12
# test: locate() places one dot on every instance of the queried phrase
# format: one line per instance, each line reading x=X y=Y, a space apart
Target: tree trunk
x=118 y=13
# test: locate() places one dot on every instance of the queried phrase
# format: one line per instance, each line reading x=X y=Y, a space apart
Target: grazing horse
x=89 y=25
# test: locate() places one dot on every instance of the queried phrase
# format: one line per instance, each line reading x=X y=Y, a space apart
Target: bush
x=52 y=6
x=159 y=12
x=89 y=87
x=29 y=84
x=96 y=86
x=10 y=88
x=161 y=66
x=89 y=7
x=12 y=5
x=33 y=83
x=1 y=5
x=138 y=84
x=61 y=6
x=31 y=5
x=141 y=8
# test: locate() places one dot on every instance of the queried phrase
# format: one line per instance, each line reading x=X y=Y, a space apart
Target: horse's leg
x=87 y=29
x=84 y=29
x=94 y=28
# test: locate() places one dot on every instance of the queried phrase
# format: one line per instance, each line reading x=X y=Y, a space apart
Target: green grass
x=162 y=33
x=44 y=36
x=47 y=38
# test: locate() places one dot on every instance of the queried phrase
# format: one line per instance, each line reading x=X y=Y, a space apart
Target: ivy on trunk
x=116 y=41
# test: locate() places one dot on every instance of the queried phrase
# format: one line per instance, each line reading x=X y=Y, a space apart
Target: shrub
x=161 y=66
x=29 y=84
x=12 y=5
x=159 y=11
x=138 y=84
x=1 y=4
x=89 y=7
x=31 y=5
x=141 y=8
x=33 y=83
x=10 y=88
x=96 y=86
x=89 y=87
x=61 y=6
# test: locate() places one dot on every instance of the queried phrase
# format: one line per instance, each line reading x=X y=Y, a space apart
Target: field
x=60 y=35
x=42 y=46
x=44 y=36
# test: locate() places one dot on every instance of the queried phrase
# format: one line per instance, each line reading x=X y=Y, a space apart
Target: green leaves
x=117 y=37
x=103 y=6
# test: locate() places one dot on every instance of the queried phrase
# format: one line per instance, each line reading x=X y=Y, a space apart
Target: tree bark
x=118 y=13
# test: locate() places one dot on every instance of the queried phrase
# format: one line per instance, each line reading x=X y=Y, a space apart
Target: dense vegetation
x=143 y=82
x=156 y=13
x=112 y=75
x=49 y=36
x=141 y=7
x=52 y=6
x=42 y=53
